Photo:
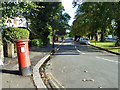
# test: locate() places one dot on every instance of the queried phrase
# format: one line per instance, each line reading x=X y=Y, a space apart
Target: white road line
x=108 y=60
x=79 y=51
x=75 y=47
x=83 y=53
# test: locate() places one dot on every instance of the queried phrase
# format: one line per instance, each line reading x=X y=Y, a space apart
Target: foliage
x=12 y=9
x=61 y=22
x=96 y=18
x=36 y=42
x=11 y=34
x=48 y=19
x=42 y=16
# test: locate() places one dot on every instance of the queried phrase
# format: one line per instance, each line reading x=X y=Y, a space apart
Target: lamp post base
x=53 y=51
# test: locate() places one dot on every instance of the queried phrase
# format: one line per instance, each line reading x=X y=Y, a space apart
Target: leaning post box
x=23 y=57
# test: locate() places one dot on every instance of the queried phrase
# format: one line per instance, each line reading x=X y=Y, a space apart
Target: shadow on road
x=66 y=54
x=15 y=72
x=86 y=48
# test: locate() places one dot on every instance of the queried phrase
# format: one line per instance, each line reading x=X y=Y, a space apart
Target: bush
x=36 y=42
x=11 y=34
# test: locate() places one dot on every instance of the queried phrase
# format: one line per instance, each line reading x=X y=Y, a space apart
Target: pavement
x=10 y=76
x=77 y=65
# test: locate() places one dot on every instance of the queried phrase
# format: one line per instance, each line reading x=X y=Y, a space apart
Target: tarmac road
x=82 y=66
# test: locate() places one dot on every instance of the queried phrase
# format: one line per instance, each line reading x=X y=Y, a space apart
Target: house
x=16 y=22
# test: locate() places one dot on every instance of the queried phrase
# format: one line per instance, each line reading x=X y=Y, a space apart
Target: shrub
x=36 y=42
x=11 y=34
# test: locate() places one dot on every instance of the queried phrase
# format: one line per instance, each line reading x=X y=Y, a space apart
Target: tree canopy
x=96 y=18
x=42 y=16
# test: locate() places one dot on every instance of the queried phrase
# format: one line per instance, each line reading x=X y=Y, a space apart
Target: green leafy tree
x=49 y=18
x=42 y=16
x=98 y=17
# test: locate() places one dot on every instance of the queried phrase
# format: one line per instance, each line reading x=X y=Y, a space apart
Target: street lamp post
x=53 y=39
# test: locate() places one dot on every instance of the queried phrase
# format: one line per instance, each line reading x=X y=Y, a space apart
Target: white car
x=84 y=40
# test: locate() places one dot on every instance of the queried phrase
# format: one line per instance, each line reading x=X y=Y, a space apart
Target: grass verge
x=109 y=45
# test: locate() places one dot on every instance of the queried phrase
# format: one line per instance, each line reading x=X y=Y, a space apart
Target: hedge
x=36 y=42
x=11 y=34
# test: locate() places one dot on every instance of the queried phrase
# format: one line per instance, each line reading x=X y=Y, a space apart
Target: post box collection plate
x=22 y=49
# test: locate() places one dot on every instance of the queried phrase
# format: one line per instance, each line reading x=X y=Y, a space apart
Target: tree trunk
x=102 y=36
x=75 y=38
x=96 y=37
x=118 y=29
x=91 y=37
x=118 y=34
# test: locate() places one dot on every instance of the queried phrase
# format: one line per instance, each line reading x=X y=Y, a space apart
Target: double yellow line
x=55 y=84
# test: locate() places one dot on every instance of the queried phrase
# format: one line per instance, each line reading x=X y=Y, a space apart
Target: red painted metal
x=23 y=53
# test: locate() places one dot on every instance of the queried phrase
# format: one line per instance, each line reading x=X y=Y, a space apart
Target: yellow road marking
x=56 y=80
x=54 y=83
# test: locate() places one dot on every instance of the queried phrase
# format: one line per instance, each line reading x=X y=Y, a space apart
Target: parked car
x=84 y=40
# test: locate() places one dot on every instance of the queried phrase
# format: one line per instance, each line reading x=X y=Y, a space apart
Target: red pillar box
x=23 y=57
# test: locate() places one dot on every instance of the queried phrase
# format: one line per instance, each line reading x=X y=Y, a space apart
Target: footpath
x=9 y=73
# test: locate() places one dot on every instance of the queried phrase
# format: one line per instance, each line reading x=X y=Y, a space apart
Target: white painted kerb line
x=79 y=51
x=107 y=60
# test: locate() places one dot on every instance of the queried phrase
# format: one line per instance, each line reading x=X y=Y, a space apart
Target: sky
x=69 y=9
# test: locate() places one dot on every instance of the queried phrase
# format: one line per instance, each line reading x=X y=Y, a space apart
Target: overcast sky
x=69 y=9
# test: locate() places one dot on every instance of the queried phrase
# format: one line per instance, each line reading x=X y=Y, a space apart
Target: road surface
x=82 y=66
